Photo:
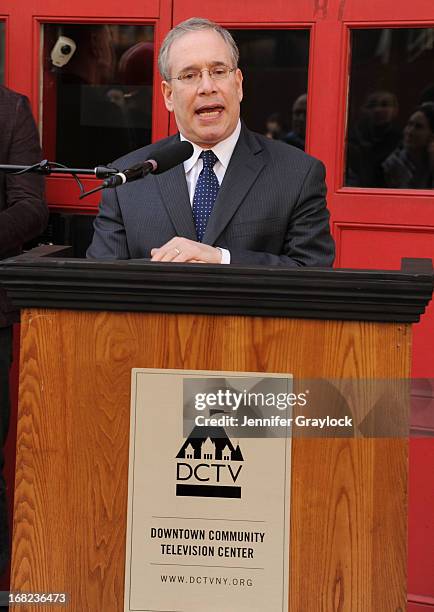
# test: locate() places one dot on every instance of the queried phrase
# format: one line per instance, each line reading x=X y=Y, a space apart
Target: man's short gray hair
x=194 y=24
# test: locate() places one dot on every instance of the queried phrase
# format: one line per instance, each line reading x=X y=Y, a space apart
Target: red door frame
x=23 y=52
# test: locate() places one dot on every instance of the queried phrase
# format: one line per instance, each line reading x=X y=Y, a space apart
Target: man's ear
x=239 y=82
x=166 y=90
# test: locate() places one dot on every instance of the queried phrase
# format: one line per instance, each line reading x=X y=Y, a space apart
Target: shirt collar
x=223 y=150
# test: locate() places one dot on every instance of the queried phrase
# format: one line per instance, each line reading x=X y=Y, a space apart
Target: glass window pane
x=275 y=68
x=390 y=138
x=2 y=52
x=97 y=91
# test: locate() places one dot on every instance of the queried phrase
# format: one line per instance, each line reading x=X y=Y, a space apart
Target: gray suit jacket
x=270 y=209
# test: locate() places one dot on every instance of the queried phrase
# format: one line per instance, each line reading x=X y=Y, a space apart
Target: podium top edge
x=410 y=267
x=42 y=279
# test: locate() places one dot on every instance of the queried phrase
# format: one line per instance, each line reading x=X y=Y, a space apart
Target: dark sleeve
x=26 y=213
x=308 y=241
x=109 y=238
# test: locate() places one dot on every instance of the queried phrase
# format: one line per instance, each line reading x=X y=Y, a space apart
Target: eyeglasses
x=193 y=77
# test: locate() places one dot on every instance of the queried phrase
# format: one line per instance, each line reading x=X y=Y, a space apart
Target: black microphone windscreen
x=171 y=155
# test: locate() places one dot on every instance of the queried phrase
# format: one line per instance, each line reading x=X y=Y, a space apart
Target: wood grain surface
x=349 y=497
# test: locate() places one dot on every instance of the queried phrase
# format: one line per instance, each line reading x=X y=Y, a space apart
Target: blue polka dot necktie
x=205 y=194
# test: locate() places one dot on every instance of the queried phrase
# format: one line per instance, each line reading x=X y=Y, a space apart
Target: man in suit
x=241 y=198
x=23 y=216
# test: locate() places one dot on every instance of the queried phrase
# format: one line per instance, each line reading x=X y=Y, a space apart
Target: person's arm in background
x=24 y=213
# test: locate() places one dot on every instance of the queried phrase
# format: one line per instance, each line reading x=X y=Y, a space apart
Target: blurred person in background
x=412 y=165
x=136 y=75
x=297 y=136
x=275 y=127
x=23 y=216
x=374 y=137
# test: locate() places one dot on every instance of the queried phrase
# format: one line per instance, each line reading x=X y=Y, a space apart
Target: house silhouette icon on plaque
x=210 y=444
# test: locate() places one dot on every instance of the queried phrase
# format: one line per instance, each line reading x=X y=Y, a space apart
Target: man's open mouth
x=209 y=111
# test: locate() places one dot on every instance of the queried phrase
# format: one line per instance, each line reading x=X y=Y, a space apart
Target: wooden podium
x=86 y=324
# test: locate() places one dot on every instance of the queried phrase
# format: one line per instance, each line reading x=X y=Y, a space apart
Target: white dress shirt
x=193 y=166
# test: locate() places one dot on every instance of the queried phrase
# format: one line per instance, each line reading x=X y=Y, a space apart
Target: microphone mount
x=46 y=168
x=164 y=159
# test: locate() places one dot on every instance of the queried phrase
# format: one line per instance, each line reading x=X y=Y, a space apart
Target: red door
x=366 y=68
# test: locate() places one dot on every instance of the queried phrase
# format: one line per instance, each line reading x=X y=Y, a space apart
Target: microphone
x=163 y=159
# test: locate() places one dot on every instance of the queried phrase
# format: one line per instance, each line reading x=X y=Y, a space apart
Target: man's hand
x=182 y=250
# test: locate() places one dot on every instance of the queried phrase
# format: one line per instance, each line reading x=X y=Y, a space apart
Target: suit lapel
x=243 y=170
x=174 y=194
